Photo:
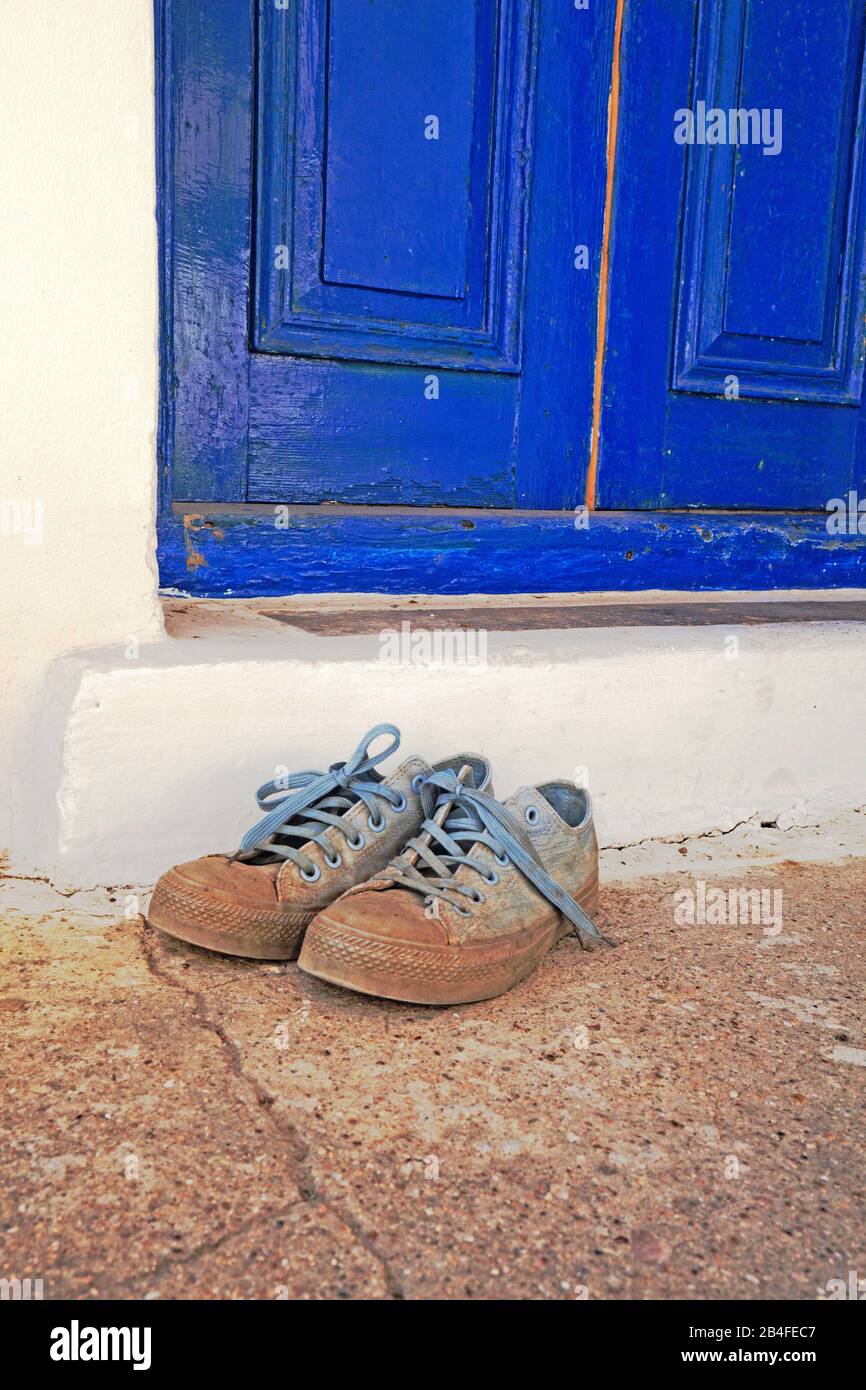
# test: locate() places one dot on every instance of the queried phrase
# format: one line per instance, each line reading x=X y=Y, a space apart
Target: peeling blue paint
x=242 y=552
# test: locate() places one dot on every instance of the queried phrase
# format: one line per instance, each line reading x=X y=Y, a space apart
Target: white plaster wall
x=681 y=731
x=78 y=357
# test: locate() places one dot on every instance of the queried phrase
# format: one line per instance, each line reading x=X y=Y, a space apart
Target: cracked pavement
x=682 y=1117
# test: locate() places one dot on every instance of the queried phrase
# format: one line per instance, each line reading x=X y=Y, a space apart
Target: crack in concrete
x=42 y=878
x=73 y=892
x=719 y=832
x=287 y=1133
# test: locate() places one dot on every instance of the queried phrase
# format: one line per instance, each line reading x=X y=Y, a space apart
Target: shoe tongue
x=410 y=856
x=464 y=776
x=470 y=768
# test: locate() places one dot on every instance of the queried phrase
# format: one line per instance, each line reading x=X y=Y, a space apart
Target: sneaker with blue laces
x=322 y=833
x=473 y=903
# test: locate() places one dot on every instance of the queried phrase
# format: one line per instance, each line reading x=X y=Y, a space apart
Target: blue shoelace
x=320 y=800
x=474 y=818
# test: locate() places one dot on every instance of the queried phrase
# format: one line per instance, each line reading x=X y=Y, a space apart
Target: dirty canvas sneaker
x=322 y=833
x=473 y=903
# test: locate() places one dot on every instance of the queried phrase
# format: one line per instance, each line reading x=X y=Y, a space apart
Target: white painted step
x=678 y=731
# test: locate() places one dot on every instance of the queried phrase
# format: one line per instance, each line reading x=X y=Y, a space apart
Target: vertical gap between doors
x=601 y=329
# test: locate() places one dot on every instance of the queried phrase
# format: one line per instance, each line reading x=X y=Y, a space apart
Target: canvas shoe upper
x=473 y=903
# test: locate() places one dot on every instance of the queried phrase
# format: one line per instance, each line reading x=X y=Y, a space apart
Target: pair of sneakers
x=418 y=886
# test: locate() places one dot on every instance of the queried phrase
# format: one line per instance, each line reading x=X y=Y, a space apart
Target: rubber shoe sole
x=181 y=910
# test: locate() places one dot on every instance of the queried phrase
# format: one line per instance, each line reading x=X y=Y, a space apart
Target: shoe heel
x=588 y=900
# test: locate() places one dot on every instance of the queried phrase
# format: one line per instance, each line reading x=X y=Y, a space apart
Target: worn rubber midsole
x=233 y=929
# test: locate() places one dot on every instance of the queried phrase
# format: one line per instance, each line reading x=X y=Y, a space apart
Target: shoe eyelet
x=502 y=860
x=474 y=896
x=416 y=782
x=358 y=842
x=311 y=877
x=532 y=815
x=491 y=878
x=377 y=826
x=462 y=911
x=402 y=803
x=333 y=863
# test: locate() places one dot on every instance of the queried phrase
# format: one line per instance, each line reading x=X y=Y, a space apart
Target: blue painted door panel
x=397 y=209
x=356 y=312
x=734 y=370
x=359 y=313
x=354 y=432
x=389 y=329
x=404 y=318
x=399 y=246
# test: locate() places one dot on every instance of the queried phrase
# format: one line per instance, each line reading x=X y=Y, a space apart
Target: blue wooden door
x=388 y=215
x=735 y=349
x=384 y=224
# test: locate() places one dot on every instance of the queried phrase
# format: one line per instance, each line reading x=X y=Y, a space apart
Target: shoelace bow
x=321 y=800
x=475 y=819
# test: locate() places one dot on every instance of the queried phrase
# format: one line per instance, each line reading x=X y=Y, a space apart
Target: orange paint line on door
x=601 y=333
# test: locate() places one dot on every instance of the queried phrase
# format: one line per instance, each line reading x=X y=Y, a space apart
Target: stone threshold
x=329 y=615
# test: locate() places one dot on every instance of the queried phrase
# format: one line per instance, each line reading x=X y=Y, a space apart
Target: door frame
x=211 y=542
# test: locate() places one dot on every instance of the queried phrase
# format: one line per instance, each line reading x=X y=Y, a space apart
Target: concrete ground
x=682 y=1117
